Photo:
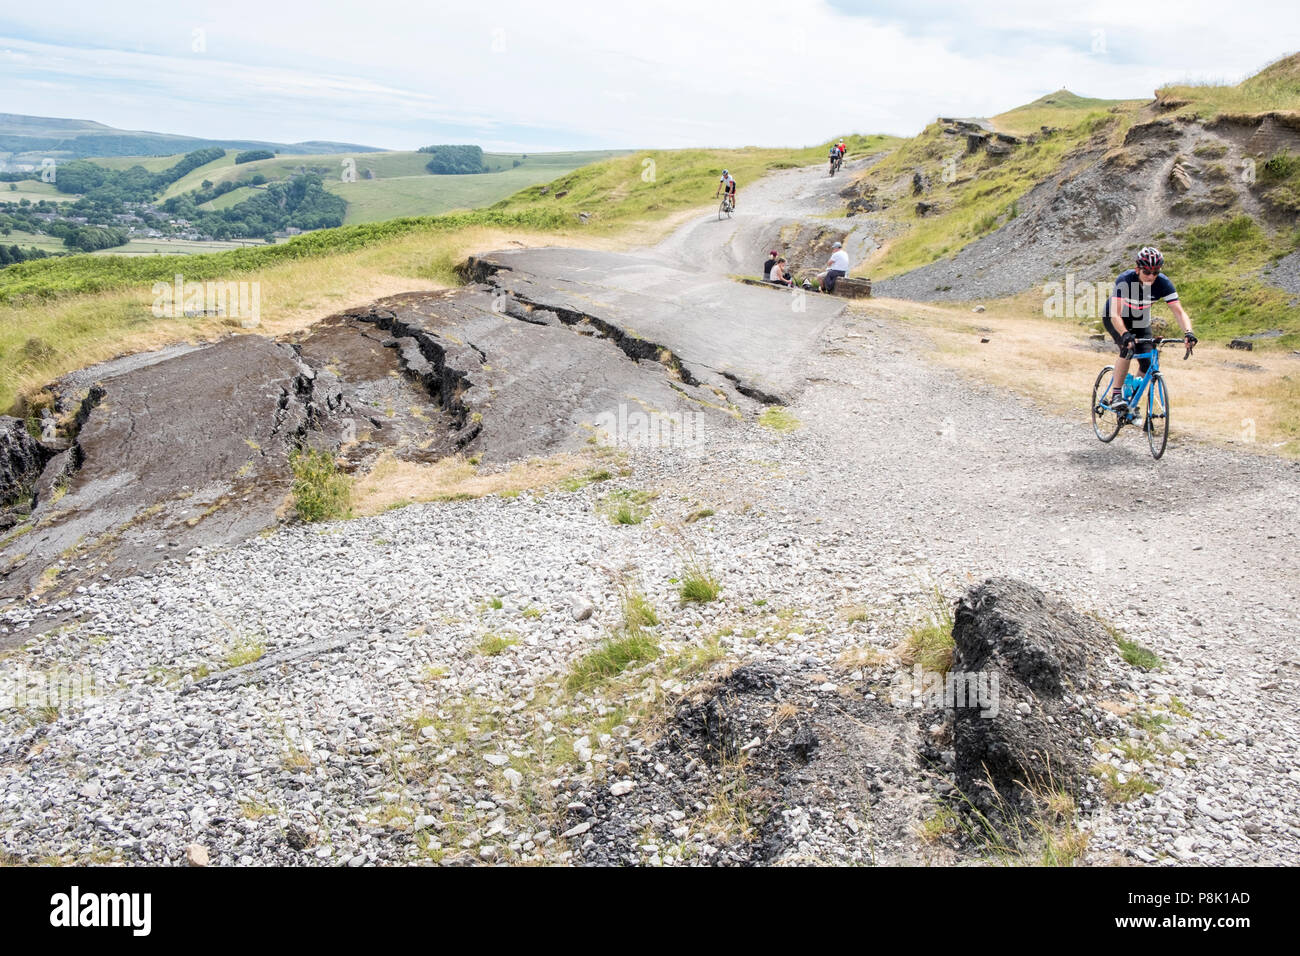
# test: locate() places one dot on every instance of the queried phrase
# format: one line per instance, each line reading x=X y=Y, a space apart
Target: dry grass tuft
x=392 y=483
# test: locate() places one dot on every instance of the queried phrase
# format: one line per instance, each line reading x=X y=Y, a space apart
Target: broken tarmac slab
x=189 y=446
x=188 y=450
x=519 y=381
x=721 y=332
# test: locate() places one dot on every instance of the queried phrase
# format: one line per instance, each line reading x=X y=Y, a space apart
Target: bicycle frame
x=1135 y=400
x=1144 y=383
x=1151 y=386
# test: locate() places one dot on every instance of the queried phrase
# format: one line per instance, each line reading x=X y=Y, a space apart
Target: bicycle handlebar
x=1157 y=342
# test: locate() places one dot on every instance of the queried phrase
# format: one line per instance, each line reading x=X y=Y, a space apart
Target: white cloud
x=668 y=73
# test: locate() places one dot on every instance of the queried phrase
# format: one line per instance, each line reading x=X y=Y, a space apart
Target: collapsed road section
x=189 y=447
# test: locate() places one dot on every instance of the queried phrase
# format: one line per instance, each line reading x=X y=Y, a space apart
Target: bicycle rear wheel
x=1105 y=423
x=1157 y=421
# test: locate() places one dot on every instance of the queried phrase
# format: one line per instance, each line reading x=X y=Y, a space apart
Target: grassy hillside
x=30 y=138
x=373 y=200
x=1061 y=109
x=385 y=165
x=34 y=190
x=232 y=198
x=981 y=196
x=1276 y=87
x=654 y=184
x=155 y=164
x=984 y=192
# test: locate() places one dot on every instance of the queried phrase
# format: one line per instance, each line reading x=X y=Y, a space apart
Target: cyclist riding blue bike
x=1128 y=311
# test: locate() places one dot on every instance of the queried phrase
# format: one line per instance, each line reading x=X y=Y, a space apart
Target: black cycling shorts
x=1143 y=363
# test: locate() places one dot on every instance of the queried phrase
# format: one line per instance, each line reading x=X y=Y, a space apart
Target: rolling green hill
x=1061 y=109
x=32 y=189
x=30 y=138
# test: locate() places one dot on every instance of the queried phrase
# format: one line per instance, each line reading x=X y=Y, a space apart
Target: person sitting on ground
x=779 y=275
x=837 y=267
x=767 y=266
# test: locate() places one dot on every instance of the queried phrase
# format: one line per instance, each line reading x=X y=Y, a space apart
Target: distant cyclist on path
x=729 y=184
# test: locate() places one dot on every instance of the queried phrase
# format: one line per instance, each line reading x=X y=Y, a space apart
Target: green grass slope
x=1061 y=109
x=1276 y=87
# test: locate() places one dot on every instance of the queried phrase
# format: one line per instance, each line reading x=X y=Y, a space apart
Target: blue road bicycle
x=1151 y=387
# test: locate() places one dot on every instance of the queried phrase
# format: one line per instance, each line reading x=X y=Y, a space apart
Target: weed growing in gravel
x=1137 y=655
x=320 y=492
x=612 y=657
x=532 y=613
x=1063 y=842
x=15 y=535
x=778 y=419
x=1178 y=707
x=495 y=603
x=696 y=659
x=854 y=658
x=855 y=613
x=1152 y=723
x=638 y=612
x=578 y=482
x=493 y=644
x=626 y=506
x=294 y=758
x=243 y=651
x=728 y=811
x=1132 y=652
x=930 y=643
x=1048 y=836
x=944 y=822
x=628 y=645
x=698 y=584
x=697 y=515
x=1125 y=790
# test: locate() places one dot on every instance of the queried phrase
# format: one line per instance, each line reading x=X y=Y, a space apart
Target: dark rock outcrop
x=21 y=459
x=1038 y=656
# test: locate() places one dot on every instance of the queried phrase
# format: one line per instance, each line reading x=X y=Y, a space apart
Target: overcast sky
x=662 y=73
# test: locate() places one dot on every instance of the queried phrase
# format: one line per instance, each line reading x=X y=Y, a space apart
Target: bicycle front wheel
x=1157 y=420
x=1105 y=423
x=722 y=210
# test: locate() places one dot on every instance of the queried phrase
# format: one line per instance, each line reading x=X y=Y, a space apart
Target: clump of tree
x=249 y=155
x=93 y=238
x=454 y=160
x=136 y=184
x=301 y=202
x=11 y=254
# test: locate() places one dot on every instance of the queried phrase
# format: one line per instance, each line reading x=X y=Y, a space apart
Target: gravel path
x=416 y=719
